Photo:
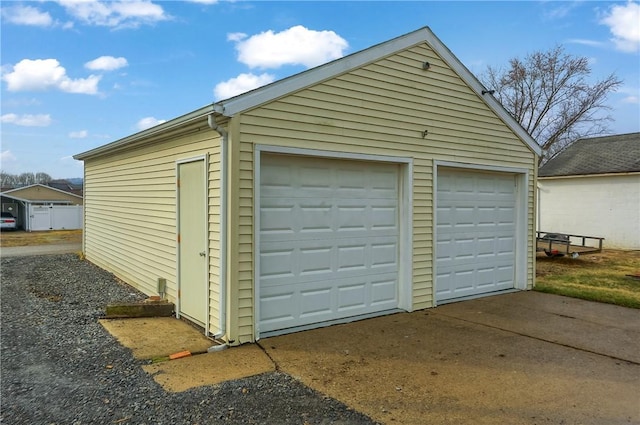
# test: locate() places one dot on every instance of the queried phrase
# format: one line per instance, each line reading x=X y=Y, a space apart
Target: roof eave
x=480 y=90
x=610 y=174
x=243 y=102
x=232 y=106
x=15 y=198
x=249 y=100
x=126 y=141
x=40 y=185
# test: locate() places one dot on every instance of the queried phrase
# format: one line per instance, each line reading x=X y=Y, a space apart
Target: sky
x=76 y=75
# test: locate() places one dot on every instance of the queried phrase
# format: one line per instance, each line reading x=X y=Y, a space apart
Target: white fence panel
x=66 y=217
x=55 y=217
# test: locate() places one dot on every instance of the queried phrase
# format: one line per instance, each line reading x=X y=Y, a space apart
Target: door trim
x=522 y=237
x=405 y=203
x=205 y=159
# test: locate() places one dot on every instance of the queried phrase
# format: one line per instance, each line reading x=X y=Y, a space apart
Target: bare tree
x=8 y=180
x=23 y=179
x=27 y=179
x=43 y=177
x=550 y=95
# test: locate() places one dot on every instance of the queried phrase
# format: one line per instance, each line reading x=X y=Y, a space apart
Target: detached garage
x=385 y=181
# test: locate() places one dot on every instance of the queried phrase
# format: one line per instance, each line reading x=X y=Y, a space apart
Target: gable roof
x=15 y=193
x=597 y=155
x=66 y=186
x=251 y=99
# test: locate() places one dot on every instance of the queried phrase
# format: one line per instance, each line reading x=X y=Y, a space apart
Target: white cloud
x=240 y=84
x=7 y=156
x=27 y=15
x=106 y=63
x=236 y=36
x=115 y=14
x=294 y=46
x=45 y=74
x=26 y=120
x=19 y=103
x=559 y=10
x=79 y=134
x=203 y=1
x=631 y=99
x=624 y=23
x=586 y=42
x=148 y=122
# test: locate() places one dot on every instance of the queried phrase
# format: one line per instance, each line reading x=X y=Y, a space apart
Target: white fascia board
x=259 y=96
x=165 y=126
x=587 y=176
x=477 y=87
x=15 y=198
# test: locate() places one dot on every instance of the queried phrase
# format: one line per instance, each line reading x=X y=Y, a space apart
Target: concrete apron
x=156 y=339
x=521 y=358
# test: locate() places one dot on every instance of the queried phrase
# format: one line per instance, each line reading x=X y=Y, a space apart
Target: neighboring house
x=388 y=180
x=40 y=207
x=66 y=186
x=592 y=188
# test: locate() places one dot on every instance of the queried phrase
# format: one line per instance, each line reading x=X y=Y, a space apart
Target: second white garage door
x=329 y=232
x=476 y=228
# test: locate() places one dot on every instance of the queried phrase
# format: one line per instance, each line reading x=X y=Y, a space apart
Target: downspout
x=223 y=230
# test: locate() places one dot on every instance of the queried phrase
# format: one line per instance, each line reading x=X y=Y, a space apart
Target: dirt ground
x=51 y=237
x=607 y=260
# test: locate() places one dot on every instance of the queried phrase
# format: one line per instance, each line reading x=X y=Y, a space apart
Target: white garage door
x=328 y=240
x=476 y=225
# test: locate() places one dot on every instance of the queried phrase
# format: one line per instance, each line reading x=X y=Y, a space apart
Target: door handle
x=203 y=254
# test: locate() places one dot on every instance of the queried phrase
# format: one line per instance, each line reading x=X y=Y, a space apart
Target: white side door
x=192 y=242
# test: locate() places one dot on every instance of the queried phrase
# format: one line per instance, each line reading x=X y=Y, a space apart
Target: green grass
x=601 y=277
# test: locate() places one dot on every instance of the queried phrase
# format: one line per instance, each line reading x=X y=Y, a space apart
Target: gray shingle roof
x=597 y=155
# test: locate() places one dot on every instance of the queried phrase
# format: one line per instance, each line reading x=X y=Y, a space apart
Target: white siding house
x=385 y=181
x=593 y=188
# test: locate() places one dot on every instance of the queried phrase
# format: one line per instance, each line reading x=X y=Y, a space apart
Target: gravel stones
x=60 y=366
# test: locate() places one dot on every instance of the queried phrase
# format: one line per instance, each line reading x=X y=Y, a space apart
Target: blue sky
x=80 y=74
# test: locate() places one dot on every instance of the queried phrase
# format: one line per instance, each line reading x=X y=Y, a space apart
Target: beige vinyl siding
x=130 y=210
x=381 y=109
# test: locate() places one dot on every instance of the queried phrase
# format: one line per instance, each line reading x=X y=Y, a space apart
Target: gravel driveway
x=59 y=365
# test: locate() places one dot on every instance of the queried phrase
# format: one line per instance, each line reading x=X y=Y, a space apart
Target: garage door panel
x=306 y=260
x=334 y=237
x=297 y=305
x=277 y=263
x=284 y=219
x=384 y=293
x=475 y=225
x=277 y=219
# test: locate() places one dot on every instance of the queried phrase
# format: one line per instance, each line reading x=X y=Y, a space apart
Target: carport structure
x=40 y=207
x=388 y=180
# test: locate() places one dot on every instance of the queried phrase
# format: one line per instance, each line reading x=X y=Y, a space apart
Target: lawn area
x=602 y=277
x=21 y=238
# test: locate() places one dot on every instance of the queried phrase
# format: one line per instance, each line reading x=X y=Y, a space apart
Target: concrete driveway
x=521 y=358
x=52 y=249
